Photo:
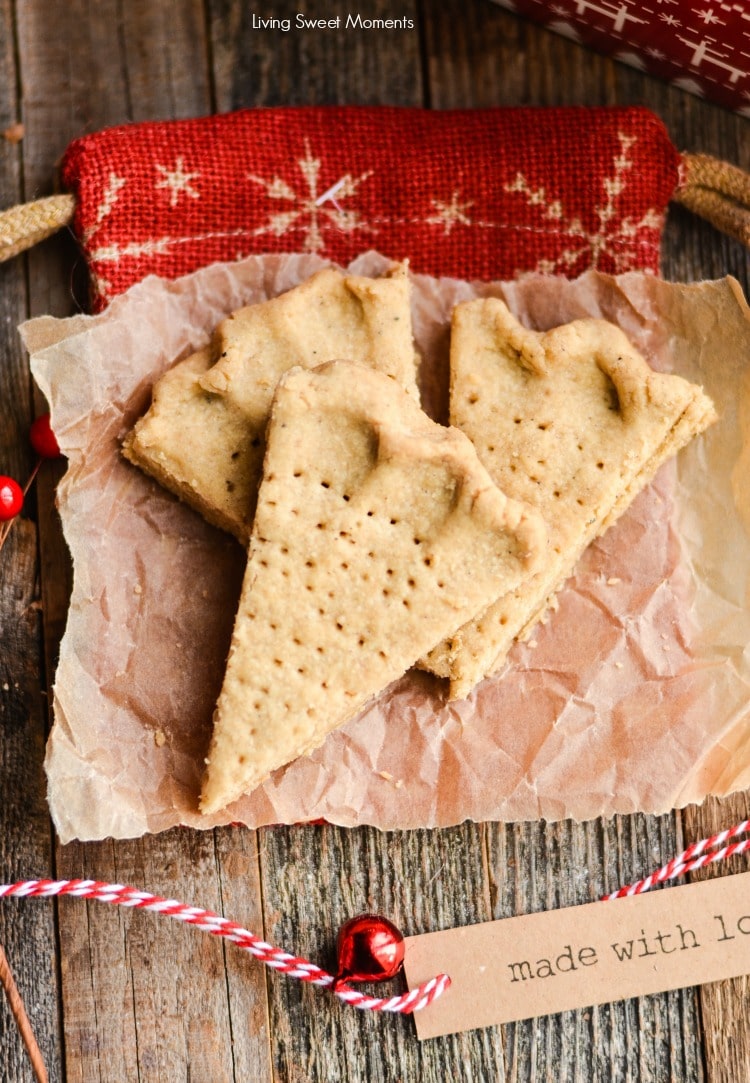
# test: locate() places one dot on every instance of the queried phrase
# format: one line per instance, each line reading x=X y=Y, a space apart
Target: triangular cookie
x=377 y=533
x=203 y=436
x=200 y=447
x=574 y=422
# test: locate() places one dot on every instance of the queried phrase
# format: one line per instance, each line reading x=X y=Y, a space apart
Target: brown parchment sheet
x=633 y=696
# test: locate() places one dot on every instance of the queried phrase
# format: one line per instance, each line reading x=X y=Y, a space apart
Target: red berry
x=43 y=439
x=11 y=498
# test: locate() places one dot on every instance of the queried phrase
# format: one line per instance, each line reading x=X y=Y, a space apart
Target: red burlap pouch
x=476 y=194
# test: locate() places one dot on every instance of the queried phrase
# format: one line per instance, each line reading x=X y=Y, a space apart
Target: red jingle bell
x=11 y=498
x=370 y=948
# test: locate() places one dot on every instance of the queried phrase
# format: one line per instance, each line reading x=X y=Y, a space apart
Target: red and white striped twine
x=206 y=920
x=715 y=848
x=705 y=852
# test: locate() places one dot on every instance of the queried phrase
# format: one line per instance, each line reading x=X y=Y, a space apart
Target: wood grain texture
x=726 y=1033
x=146 y=998
x=541 y=866
x=27 y=933
x=314 y=879
x=139 y=1002
x=256 y=66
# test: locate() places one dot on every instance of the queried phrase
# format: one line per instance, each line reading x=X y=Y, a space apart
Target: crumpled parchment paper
x=635 y=695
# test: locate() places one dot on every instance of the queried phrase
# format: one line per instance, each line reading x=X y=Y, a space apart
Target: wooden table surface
x=115 y=995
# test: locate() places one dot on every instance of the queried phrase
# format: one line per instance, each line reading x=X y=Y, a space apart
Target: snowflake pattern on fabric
x=177 y=182
x=309 y=214
x=702 y=46
x=482 y=194
x=614 y=240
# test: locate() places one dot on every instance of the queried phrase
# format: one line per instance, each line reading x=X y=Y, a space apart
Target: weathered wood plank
x=27 y=931
x=148 y=998
x=726 y=1034
x=479 y=55
x=314 y=879
x=141 y=998
x=271 y=66
x=542 y=866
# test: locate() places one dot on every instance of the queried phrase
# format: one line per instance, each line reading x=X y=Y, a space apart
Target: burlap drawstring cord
x=24 y=226
x=709 y=187
x=718 y=192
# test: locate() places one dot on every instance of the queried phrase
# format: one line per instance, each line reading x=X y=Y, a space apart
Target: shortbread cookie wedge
x=332 y=316
x=377 y=533
x=200 y=447
x=203 y=436
x=574 y=422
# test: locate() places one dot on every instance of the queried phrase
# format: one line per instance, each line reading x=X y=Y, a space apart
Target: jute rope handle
x=709 y=187
x=27 y=224
x=718 y=192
